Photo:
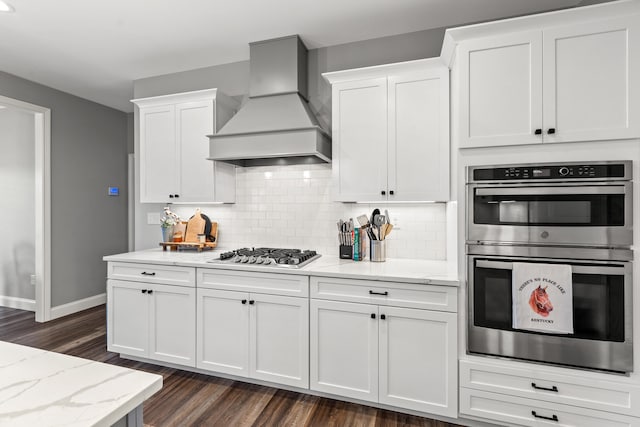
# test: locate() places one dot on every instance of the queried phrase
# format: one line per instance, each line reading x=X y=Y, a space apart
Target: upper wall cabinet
x=174 y=148
x=567 y=83
x=391 y=132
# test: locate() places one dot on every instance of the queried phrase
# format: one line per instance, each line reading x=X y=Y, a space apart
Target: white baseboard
x=19 y=303
x=76 y=306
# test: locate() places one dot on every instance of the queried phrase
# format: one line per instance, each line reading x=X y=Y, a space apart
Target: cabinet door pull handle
x=538 y=132
x=391 y=192
x=373 y=315
x=252 y=302
x=150 y=291
x=537 y=387
x=551 y=418
x=144 y=291
x=244 y=301
x=383 y=192
x=144 y=273
x=385 y=293
x=171 y=196
x=551 y=131
x=383 y=317
x=176 y=196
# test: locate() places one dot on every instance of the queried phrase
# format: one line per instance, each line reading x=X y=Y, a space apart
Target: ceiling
x=96 y=50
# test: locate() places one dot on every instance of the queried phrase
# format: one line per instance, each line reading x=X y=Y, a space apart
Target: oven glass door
x=598 y=298
x=581 y=206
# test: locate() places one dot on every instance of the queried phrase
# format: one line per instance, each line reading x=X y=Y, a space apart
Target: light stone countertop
x=42 y=388
x=401 y=270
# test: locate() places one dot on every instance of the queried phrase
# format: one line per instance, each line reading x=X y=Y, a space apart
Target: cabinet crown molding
x=195 y=95
x=541 y=21
x=384 y=70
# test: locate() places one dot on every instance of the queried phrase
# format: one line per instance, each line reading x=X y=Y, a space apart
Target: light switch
x=114 y=191
x=153 y=218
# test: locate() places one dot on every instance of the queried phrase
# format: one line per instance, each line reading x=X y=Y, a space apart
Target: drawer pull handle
x=373 y=315
x=552 y=418
x=554 y=388
x=385 y=293
x=144 y=273
x=244 y=301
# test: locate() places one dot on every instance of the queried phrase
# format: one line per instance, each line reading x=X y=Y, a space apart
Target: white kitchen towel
x=542 y=297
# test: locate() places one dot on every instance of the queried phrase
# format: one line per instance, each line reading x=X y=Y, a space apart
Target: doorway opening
x=27 y=268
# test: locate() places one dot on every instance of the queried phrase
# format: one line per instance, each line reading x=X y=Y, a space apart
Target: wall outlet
x=32 y=279
x=153 y=218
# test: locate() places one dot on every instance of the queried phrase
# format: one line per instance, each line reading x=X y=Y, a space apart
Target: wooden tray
x=174 y=246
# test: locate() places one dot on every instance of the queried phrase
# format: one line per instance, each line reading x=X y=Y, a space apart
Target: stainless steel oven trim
x=621 y=236
x=581 y=353
x=628 y=171
x=578 y=269
x=551 y=252
x=618 y=188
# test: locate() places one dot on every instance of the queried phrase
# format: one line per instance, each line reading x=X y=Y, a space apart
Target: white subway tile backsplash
x=291 y=206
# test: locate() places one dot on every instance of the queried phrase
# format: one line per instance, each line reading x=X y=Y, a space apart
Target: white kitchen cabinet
x=254 y=335
x=418 y=359
x=151 y=320
x=344 y=349
x=390 y=131
x=174 y=148
x=560 y=84
x=398 y=356
x=556 y=389
x=223 y=331
x=359 y=139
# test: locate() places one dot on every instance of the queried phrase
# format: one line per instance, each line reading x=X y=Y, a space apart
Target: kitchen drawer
x=398 y=294
x=265 y=283
x=152 y=273
x=514 y=410
x=583 y=390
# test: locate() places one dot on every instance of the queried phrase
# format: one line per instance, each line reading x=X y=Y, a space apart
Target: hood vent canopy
x=276 y=125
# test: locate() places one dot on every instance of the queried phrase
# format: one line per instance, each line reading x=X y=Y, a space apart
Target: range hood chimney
x=276 y=125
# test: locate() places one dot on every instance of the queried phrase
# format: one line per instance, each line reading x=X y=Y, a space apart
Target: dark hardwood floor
x=190 y=399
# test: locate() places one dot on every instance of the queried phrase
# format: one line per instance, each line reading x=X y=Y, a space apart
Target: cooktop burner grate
x=278 y=257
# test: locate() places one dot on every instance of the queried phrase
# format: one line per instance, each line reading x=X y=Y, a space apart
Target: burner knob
x=243 y=259
x=252 y=260
x=564 y=171
x=294 y=261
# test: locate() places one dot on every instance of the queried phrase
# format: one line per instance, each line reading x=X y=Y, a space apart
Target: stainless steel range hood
x=276 y=125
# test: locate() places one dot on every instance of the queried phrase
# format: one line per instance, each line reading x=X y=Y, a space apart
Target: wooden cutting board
x=195 y=226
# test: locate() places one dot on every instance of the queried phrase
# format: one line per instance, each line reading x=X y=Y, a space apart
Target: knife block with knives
x=352 y=241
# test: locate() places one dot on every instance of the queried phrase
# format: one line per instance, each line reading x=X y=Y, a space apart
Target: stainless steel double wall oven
x=578 y=214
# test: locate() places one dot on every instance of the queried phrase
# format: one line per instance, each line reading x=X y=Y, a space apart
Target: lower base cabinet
x=254 y=335
x=151 y=320
x=511 y=410
x=514 y=393
x=396 y=356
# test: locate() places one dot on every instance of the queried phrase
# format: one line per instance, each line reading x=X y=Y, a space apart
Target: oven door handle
x=546 y=191
x=577 y=269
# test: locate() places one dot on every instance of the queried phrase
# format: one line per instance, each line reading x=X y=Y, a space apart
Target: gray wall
x=88 y=154
x=17 y=204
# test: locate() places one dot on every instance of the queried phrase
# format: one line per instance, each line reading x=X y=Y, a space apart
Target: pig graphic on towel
x=542 y=297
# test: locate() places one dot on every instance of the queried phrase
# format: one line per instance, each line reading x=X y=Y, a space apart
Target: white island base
x=42 y=388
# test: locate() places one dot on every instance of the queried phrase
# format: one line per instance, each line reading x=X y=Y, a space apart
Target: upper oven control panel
x=556 y=171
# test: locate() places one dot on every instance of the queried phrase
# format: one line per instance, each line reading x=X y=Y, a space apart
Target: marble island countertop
x=42 y=388
x=404 y=270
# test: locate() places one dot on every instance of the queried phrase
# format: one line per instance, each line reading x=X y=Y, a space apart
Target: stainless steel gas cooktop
x=285 y=258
